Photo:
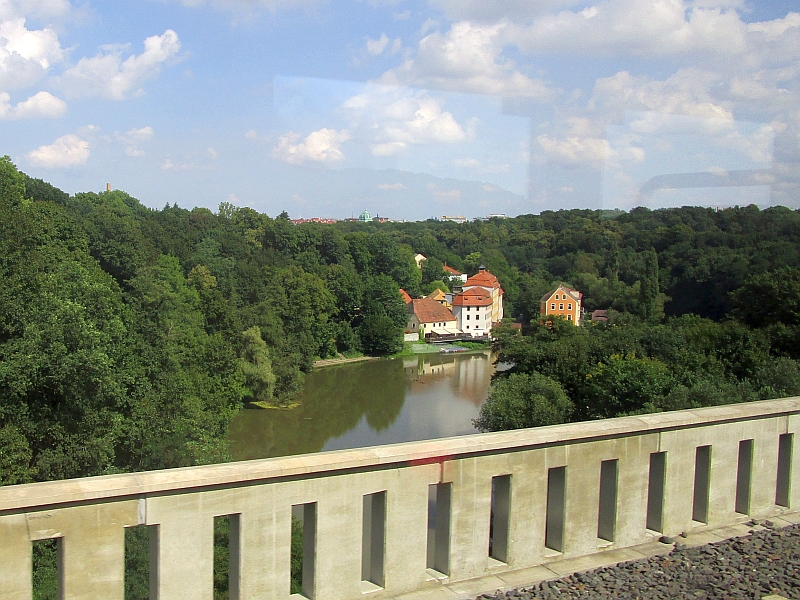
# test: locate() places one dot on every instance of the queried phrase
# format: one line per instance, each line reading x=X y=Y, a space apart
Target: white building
x=473 y=311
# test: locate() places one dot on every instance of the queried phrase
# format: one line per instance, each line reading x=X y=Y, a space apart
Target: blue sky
x=412 y=109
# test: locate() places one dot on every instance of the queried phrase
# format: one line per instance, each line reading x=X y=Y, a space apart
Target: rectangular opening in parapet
x=499 y=523
x=702 y=484
x=655 y=491
x=141 y=562
x=744 y=477
x=303 y=549
x=373 y=538
x=783 y=487
x=48 y=569
x=607 y=503
x=556 y=507
x=439 y=527
x=226 y=557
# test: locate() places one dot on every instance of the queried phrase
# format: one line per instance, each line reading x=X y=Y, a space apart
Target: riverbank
x=414 y=348
x=330 y=362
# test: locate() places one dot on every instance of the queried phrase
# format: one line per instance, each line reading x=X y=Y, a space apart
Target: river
x=369 y=403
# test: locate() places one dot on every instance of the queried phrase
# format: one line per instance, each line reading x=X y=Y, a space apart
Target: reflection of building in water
x=469 y=375
x=472 y=378
x=429 y=365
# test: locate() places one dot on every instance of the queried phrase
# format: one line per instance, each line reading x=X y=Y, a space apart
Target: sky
x=410 y=109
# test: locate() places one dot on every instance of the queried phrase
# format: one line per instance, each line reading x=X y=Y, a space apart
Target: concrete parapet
x=586 y=488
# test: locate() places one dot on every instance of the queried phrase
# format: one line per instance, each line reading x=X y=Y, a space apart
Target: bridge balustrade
x=388 y=520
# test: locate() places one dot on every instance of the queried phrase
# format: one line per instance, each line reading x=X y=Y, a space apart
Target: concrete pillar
x=471 y=502
x=724 y=463
x=93 y=560
x=338 y=544
x=185 y=546
x=406 y=526
x=794 y=490
x=680 y=447
x=528 y=505
x=583 y=486
x=265 y=542
x=634 y=465
x=15 y=558
x=766 y=435
x=583 y=492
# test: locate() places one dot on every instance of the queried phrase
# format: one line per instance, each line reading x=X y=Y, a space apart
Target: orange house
x=564 y=302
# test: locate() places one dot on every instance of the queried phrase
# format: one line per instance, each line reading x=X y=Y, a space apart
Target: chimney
x=108 y=187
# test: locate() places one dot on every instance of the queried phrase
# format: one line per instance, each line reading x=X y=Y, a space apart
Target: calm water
x=370 y=403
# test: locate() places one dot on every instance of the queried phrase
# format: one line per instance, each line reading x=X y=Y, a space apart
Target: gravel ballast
x=764 y=563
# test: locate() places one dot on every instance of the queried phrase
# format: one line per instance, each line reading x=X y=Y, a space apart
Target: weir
x=374 y=526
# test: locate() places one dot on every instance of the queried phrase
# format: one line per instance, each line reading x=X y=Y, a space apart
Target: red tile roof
x=404 y=295
x=451 y=270
x=476 y=296
x=484 y=279
x=430 y=311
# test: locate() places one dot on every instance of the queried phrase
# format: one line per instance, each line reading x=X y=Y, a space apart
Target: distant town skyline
x=415 y=108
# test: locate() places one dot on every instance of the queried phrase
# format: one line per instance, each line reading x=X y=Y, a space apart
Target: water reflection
x=370 y=403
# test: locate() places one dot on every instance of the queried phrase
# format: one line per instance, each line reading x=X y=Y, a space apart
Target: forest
x=129 y=336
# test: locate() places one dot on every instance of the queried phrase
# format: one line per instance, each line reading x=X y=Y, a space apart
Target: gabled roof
x=430 y=311
x=437 y=295
x=404 y=295
x=574 y=294
x=484 y=279
x=476 y=296
x=451 y=270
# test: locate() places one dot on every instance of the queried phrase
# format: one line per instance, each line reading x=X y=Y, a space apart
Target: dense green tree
x=524 y=400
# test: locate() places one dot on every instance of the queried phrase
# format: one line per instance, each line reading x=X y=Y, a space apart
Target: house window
x=467 y=317
x=413 y=326
x=560 y=307
x=569 y=306
x=552 y=307
x=569 y=317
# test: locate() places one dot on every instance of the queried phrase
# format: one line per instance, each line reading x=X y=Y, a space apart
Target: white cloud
x=483 y=11
x=450 y=195
x=26 y=55
x=67 y=151
x=323 y=146
x=382 y=44
x=133 y=137
x=687 y=92
x=249 y=8
x=392 y=119
x=391 y=186
x=45 y=9
x=480 y=167
x=252 y=134
x=402 y=16
x=168 y=165
x=376 y=47
x=466 y=162
x=42 y=105
x=635 y=28
x=576 y=151
x=108 y=75
x=212 y=154
x=468 y=58
x=776 y=28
